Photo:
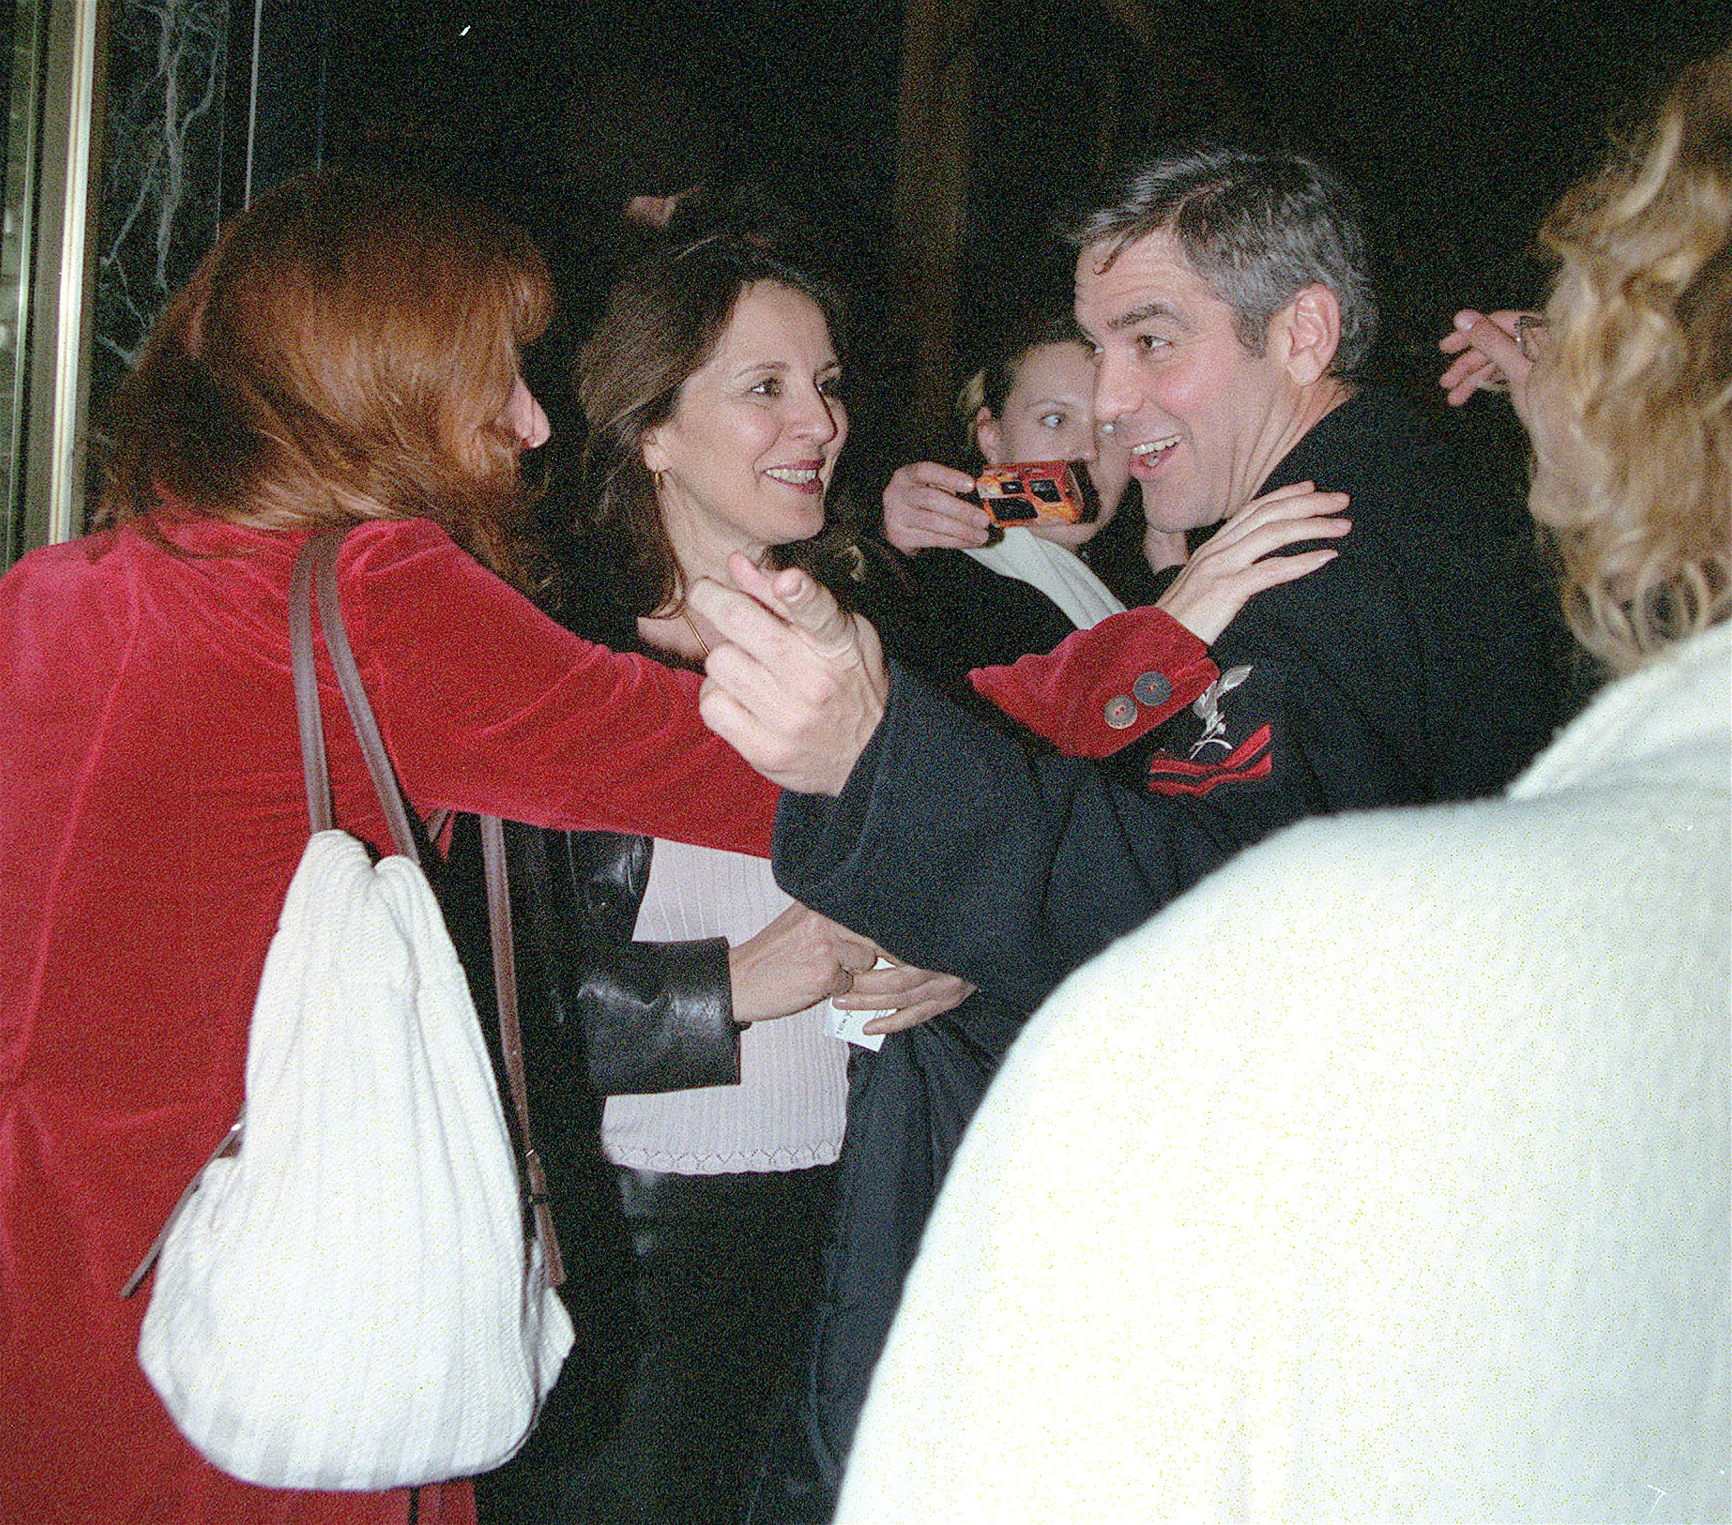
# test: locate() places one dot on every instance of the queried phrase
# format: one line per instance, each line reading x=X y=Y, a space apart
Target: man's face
x=1205 y=420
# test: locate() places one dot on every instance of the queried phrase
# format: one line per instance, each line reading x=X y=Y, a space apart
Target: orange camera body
x=1036 y=492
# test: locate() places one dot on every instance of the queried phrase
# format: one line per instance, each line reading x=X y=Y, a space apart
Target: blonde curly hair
x=1640 y=385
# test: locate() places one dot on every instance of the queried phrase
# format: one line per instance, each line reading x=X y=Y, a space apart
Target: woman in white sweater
x=1406 y=1196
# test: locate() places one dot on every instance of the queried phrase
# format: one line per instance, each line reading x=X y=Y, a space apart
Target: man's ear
x=1305 y=334
x=986 y=435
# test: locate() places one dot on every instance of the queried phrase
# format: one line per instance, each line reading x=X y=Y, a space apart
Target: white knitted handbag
x=348 y=1301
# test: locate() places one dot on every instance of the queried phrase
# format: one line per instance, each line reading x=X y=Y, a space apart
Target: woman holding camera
x=1032 y=400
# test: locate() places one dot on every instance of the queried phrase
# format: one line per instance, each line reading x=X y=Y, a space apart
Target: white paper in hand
x=850 y=1026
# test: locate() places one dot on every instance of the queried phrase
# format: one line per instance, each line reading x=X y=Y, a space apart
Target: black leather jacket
x=651 y=1016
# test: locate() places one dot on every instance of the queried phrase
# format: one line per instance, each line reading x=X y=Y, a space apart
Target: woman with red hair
x=347 y=356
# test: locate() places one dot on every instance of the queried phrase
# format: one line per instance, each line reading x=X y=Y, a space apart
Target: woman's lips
x=805 y=477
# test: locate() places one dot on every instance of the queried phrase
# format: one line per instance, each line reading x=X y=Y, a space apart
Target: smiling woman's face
x=1049 y=415
x=744 y=461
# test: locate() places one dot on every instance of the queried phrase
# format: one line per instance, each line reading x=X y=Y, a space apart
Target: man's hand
x=924 y=508
x=798 y=687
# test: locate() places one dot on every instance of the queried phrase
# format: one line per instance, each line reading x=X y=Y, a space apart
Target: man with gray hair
x=1226 y=298
x=1225 y=295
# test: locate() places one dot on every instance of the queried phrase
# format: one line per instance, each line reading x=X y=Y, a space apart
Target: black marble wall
x=163 y=184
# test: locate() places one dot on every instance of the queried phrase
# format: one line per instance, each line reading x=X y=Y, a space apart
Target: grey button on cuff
x=1121 y=712
x=1152 y=689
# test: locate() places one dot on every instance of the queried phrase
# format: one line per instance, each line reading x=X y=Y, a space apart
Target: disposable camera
x=1036 y=492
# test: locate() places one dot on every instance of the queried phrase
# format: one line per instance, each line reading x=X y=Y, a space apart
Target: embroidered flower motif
x=1207 y=708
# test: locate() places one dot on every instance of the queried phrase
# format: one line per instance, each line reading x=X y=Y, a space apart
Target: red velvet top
x=151 y=816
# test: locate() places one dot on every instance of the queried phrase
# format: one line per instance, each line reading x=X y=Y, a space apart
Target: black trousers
x=727 y=1271
x=600 y=1294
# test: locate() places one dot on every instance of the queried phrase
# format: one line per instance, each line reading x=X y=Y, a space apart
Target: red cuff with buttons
x=1100 y=689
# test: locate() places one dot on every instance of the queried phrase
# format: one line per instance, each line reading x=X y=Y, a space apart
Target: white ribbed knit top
x=788 y=1110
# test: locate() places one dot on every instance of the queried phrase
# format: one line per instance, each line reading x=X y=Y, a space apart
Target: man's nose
x=1115 y=391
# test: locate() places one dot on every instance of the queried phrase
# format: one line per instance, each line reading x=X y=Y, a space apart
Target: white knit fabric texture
x=1383 y=1176
x=788 y=1110
x=344 y=1304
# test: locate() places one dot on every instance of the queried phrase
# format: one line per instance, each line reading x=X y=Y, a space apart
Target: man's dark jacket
x=1419 y=665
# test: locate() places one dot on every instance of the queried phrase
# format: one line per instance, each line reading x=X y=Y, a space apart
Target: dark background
x=1459 y=122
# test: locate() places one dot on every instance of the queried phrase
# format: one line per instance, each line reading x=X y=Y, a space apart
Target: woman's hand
x=797 y=960
x=1235 y=563
x=907 y=996
x=923 y=509
x=1493 y=353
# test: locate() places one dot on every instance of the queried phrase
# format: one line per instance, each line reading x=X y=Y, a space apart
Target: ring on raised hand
x=1527 y=330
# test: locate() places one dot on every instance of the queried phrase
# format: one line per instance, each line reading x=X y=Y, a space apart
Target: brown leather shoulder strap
x=320 y=556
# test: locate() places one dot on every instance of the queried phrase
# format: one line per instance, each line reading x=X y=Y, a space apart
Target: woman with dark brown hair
x=712 y=387
x=346 y=356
